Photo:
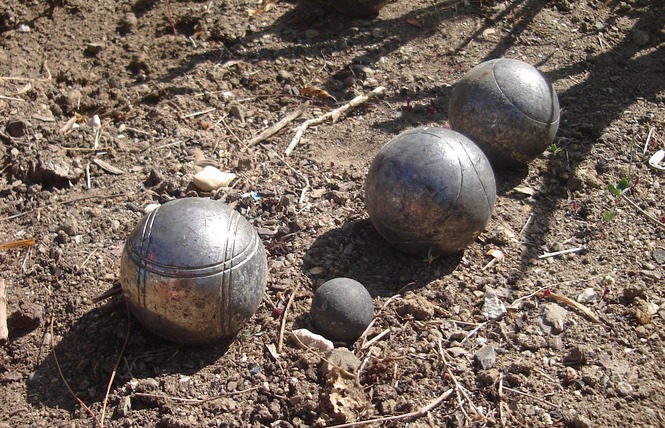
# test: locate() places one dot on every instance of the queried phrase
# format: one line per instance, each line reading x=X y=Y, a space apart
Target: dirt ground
x=170 y=104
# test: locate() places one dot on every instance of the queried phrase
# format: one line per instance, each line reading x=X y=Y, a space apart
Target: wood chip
x=107 y=167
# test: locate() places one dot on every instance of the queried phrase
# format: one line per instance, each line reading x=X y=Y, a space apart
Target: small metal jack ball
x=342 y=308
x=193 y=271
x=508 y=108
x=430 y=191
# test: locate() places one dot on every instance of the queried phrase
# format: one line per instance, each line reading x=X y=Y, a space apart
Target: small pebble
x=640 y=38
x=624 y=389
x=486 y=357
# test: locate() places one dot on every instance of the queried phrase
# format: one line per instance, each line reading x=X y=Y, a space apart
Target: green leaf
x=609 y=215
x=623 y=184
x=614 y=190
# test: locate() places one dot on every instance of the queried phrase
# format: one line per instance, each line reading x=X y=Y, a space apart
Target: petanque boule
x=430 y=191
x=193 y=271
x=342 y=308
x=508 y=108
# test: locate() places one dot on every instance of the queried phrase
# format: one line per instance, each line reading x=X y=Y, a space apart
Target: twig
x=117 y=364
x=474 y=331
x=412 y=415
x=375 y=339
x=196 y=400
x=113 y=291
x=222 y=121
x=559 y=253
x=170 y=15
x=274 y=129
x=4 y=332
x=2 y=97
x=654 y=220
x=295 y=171
x=568 y=301
x=648 y=141
x=62 y=376
x=528 y=222
x=526 y=394
x=280 y=342
x=70 y=201
x=334 y=115
x=517 y=302
x=198 y=113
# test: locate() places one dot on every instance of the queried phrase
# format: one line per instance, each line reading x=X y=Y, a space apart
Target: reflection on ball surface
x=193 y=271
x=508 y=108
x=430 y=191
x=342 y=308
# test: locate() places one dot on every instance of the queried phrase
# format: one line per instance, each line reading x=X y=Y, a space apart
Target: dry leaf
x=198 y=155
x=345 y=399
x=263 y=8
x=415 y=22
x=496 y=253
x=18 y=244
x=314 y=92
x=108 y=167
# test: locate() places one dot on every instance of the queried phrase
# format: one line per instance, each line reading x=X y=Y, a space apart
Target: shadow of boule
x=87 y=353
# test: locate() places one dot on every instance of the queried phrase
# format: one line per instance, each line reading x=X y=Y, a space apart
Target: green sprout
x=554 y=149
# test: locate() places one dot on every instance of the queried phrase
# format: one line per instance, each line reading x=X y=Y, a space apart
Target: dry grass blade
x=280 y=343
x=412 y=415
x=62 y=376
x=4 y=332
x=117 y=364
x=18 y=244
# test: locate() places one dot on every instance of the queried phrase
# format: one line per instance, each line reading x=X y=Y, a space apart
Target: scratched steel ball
x=193 y=271
x=430 y=191
x=342 y=308
x=508 y=108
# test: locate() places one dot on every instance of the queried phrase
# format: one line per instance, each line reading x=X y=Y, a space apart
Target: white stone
x=211 y=178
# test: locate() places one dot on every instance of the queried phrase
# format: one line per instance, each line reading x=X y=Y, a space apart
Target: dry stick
x=198 y=113
x=70 y=201
x=18 y=244
x=62 y=376
x=280 y=343
x=274 y=129
x=648 y=140
x=223 y=122
x=195 y=400
x=2 y=97
x=4 y=332
x=474 y=331
x=654 y=220
x=568 y=301
x=562 y=252
x=117 y=364
x=412 y=415
x=170 y=15
x=526 y=394
x=334 y=115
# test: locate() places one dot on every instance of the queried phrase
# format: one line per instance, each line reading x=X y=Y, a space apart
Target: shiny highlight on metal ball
x=193 y=271
x=508 y=108
x=430 y=191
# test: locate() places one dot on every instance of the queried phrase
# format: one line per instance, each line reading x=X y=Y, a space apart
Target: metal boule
x=508 y=108
x=430 y=191
x=193 y=271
